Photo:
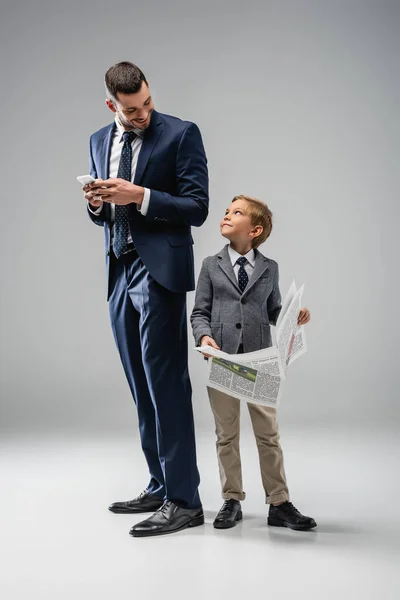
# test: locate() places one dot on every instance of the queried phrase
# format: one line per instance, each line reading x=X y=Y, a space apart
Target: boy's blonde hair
x=259 y=215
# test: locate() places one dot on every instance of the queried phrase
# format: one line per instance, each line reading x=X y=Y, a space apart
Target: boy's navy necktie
x=243 y=278
x=121 y=222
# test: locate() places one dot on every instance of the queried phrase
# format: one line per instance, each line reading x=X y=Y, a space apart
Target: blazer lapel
x=150 y=139
x=226 y=265
x=260 y=265
x=104 y=151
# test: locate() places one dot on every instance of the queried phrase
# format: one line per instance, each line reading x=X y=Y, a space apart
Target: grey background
x=298 y=105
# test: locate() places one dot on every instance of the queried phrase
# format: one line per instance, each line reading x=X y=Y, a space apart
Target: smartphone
x=85 y=179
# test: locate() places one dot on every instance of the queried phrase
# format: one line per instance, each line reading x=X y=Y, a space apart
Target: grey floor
x=59 y=541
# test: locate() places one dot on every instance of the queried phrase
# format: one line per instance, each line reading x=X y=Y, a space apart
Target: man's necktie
x=121 y=222
x=243 y=278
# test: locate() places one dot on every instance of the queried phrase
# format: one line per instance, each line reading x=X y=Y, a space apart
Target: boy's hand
x=206 y=340
x=304 y=316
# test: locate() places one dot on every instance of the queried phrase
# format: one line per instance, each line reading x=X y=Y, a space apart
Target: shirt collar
x=233 y=255
x=120 y=130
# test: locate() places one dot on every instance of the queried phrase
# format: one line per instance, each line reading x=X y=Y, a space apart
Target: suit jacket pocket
x=266 y=339
x=153 y=161
x=179 y=239
x=264 y=279
x=216 y=332
x=160 y=176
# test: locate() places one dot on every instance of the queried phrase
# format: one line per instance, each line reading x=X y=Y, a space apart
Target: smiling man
x=151 y=188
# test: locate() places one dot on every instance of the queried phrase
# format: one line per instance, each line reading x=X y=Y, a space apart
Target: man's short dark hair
x=125 y=78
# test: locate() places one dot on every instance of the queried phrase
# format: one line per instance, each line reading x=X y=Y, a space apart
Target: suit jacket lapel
x=105 y=152
x=226 y=265
x=260 y=265
x=104 y=161
x=150 y=139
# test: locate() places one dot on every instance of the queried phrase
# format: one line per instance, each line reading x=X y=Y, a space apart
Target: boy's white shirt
x=249 y=266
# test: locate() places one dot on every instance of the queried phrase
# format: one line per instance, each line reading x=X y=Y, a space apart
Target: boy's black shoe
x=286 y=515
x=229 y=515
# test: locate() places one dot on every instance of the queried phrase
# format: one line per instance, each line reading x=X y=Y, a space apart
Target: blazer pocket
x=264 y=279
x=216 y=332
x=177 y=239
x=266 y=340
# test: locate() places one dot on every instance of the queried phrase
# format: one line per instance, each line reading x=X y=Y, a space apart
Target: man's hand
x=206 y=340
x=90 y=196
x=304 y=316
x=115 y=190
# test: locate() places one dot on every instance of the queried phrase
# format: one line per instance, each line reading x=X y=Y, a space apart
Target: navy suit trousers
x=150 y=330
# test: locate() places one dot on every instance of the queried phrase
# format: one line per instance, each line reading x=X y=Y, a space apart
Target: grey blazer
x=230 y=317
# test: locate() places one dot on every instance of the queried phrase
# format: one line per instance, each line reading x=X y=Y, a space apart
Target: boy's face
x=236 y=225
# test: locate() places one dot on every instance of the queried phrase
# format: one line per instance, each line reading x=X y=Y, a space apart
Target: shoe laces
x=227 y=505
x=165 y=506
x=288 y=506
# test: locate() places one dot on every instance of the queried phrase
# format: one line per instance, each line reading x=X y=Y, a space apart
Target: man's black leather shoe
x=168 y=519
x=286 y=515
x=145 y=502
x=229 y=515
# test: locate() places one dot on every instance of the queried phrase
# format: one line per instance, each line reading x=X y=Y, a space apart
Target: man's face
x=236 y=225
x=133 y=110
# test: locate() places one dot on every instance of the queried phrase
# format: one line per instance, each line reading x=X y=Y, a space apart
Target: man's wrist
x=139 y=197
x=95 y=210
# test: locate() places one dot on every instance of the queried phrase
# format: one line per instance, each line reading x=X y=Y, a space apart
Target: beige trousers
x=226 y=411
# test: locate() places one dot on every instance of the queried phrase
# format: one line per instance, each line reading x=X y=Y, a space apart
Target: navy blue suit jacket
x=173 y=165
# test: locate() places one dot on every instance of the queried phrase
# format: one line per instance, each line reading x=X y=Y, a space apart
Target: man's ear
x=110 y=105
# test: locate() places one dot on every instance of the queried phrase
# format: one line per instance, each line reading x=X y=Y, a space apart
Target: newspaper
x=286 y=302
x=257 y=376
x=290 y=337
x=252 y=377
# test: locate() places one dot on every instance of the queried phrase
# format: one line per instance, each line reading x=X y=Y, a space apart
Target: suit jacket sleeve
x=190 y=205
x=201 y=314
x=98 y=219
x=274 y=299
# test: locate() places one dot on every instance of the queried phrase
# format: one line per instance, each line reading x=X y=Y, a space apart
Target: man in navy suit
x=151 y=187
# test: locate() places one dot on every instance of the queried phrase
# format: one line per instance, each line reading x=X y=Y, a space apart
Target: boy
x=237 y=299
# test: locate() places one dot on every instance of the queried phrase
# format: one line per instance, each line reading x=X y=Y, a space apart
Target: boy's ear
x=256 y=231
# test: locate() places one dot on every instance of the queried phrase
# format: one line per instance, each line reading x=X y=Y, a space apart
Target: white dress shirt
x=115 y=155
x=249 y=266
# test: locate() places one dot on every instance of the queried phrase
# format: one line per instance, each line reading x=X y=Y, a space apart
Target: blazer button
x=238 y=326
x=243 y=300
x=108 y=253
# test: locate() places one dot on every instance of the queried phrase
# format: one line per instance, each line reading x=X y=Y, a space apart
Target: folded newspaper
x=257 y=376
